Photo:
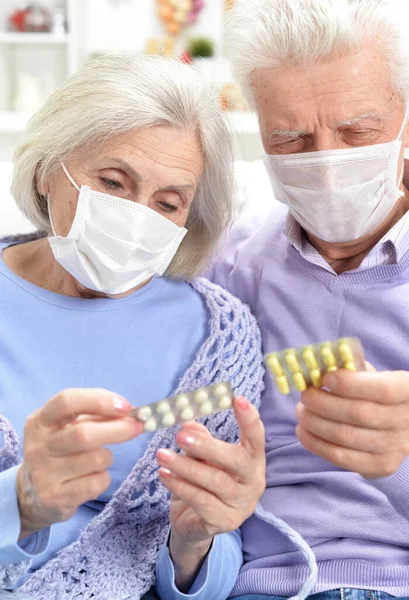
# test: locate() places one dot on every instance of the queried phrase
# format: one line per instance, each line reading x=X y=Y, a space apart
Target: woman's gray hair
x=112 y=95
x=269 y=34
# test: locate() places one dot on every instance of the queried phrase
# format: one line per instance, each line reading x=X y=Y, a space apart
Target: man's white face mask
x=115 y=245
x=339 y=195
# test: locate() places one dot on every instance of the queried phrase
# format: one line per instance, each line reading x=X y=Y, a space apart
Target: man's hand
x=361 y=424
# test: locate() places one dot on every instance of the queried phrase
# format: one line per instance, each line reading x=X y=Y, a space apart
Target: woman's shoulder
x=228 y=311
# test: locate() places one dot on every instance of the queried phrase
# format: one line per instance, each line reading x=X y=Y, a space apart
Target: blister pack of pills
x=185 y=407
x=300 y=368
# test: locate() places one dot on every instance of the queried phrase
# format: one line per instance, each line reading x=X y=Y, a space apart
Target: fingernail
x=242 y=403
x=299 y=409
x=121 y=405
x=329 y=382
x=164 y=455
x=187 y=439
x=164 y=471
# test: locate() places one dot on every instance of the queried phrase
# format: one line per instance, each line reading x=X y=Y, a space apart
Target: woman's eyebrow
x=122 y=164
x=183 y=189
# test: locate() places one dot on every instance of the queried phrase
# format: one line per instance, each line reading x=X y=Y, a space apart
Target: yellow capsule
x=292 y=362
x=332 y=369
x=282 y=384
x=299 y=382
x=350 y=366
x=309 y=358
x=316 y=377
x=346 y=352
x=274 y=365
x=328 y=356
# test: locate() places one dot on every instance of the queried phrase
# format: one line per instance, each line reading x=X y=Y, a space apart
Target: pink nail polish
x=165 y=471
x=164 y=455
x=120 y=404
x=242 y=403
x=187 y=439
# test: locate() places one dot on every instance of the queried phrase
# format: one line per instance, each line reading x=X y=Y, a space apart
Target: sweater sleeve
x=15 y=556
x=215 y=579
x=396 y=488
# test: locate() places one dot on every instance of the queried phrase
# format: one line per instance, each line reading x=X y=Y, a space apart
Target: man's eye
x=111 y=184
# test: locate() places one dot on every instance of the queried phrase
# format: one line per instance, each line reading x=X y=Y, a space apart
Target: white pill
x=187 y=414
x=150 y=425
x=221 y=390
x=225 y=402
x=206 y=408
x=168 y=419
x=182 y=401
x=201 y=395
x=144 y=413
x=163 y=407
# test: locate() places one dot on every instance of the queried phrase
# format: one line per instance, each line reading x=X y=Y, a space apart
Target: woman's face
x=158 y=167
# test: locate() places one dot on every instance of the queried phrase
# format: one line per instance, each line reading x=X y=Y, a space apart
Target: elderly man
x=330 y=82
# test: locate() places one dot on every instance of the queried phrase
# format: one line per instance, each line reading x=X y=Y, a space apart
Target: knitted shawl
x=115 y=556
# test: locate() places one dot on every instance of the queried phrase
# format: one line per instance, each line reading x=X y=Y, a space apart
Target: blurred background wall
x=42 y=43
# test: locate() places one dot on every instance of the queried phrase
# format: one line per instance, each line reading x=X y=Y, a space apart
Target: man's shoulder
x=254 y=237
x=253 y=241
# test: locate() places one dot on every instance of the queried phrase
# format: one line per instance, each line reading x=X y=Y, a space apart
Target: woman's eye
x=111 y=184
x=169 y=208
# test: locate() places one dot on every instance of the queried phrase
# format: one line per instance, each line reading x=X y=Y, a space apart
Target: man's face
x=344 y=103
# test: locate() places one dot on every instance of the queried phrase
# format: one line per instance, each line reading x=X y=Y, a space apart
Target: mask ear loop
x=399 y=138
x=64 y=168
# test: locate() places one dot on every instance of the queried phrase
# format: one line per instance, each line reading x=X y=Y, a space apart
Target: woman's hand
x=65 y=463
x=215 y=487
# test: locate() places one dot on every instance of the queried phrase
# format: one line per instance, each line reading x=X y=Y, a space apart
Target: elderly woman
x=126 y=173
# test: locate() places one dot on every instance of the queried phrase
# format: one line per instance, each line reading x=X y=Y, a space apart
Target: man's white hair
x=273 y=33
x=113 y=95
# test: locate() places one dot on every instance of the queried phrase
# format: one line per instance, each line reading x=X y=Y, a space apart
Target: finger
x=84 y=463
x=361 y=413
x=368 y=465
x=69 y=404
x=388 y=387
x=88 y=435
x=252 y=436
x=81 y=490
x=195 y=426
x=347 y=436
x=206 y=505
x=228 y=457
x=202 y=475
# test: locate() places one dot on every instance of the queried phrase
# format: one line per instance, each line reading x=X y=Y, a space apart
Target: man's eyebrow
x=363 y=117
x=287 y=133
x=298 y=133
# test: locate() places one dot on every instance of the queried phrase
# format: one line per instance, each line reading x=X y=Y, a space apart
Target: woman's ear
x=406 y=135
x=42 y=186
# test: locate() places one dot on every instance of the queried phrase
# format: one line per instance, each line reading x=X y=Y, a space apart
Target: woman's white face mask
x=114 y=245
x=339 y=195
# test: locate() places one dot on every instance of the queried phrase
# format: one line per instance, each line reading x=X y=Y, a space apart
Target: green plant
x=201 y=47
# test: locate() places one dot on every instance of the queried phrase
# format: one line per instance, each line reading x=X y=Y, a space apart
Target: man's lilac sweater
x=358 y=529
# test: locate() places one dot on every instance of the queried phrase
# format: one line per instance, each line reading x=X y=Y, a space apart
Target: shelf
x=43 y=39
